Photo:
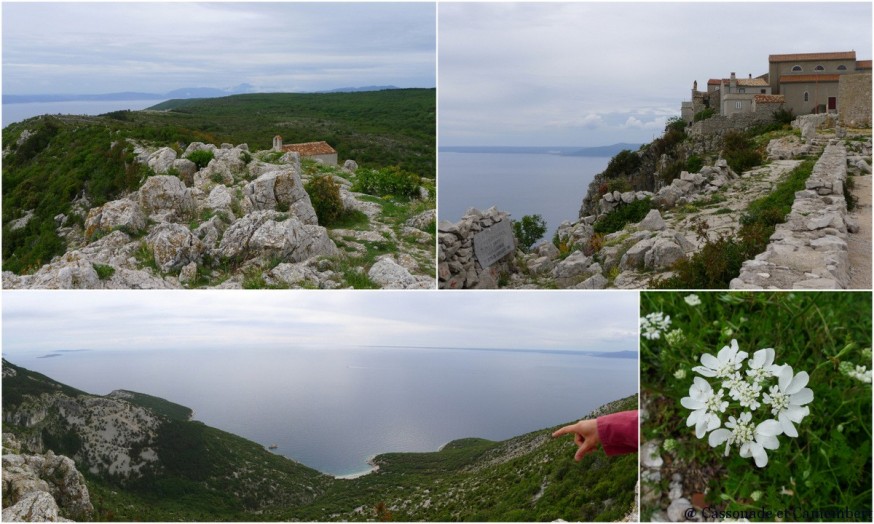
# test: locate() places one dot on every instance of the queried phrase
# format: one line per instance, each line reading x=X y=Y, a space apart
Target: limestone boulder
x=265 y=234
x=663 y=254
x=174 y=246
x=124 y=214
x=388 y=274
x=350 y=165
x=281 y=190
x=163 y=193
x=162 y=160
x=186 y=169
x=652 y=222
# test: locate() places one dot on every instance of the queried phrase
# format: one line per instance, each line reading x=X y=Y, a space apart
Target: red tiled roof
x=798 y=79
x=714 y=82
x=752 y=82
x=804 y=57
x=310 y=148
x=863 y=64
x=769 y=99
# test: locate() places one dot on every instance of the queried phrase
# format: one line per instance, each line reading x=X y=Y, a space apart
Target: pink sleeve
x=618 y=432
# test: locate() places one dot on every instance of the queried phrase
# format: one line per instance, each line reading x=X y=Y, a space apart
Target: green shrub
x=529 y=230
x=386 y=181
x=201 y=157
x=616 y=219
x=784 y=116
x=694 y=164
x=104 y=272
x=325 y=195
x=704 y=114
x=245 y=157
x=739 y=151
x=624 y=163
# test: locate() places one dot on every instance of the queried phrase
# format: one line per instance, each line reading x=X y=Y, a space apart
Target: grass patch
x=616 y=219
x=103 y=271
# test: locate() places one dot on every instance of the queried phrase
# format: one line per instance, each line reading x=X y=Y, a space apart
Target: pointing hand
x=585 y=436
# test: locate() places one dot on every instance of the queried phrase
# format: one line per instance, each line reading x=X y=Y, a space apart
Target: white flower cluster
x=653 y=325
x=781 y=405
x=860 y=373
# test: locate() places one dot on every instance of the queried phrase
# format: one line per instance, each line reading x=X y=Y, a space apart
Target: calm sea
x=552 y=186
x=17 y=112
x=332 y=409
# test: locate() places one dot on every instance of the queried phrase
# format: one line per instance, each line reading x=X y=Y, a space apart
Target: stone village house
x=318 y=151
x=803 y=83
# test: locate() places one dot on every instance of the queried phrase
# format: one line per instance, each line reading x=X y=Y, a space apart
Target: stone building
x=809 y=82
x=737 y=95
x=319 y=151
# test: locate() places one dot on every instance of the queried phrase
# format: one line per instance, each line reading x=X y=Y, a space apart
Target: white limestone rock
x=388 y=274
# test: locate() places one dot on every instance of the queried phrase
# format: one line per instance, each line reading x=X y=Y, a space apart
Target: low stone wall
x=458 y=266
x=719 y=124
x=808 y=251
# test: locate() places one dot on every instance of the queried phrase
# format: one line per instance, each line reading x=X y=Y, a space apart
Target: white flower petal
x=759 y=454
x=805 y=396
x=701 y=427
x=758 y=359
x=785 y=377
x=768 y=428
x=691 y=403
x=786 y=425
x=701 y=370
x=796 y=413
x=798 y=382
x=740 y=356
x=768 y=442
x=693 y=418
x=718 y=437
x=745 y=450
x=710 y=361
x=713 y=422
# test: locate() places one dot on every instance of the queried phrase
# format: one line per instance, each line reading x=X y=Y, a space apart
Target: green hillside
x=158 y=405
x=53 y=165
x=207 y=474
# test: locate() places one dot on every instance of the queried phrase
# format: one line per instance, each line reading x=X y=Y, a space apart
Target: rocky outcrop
x=240 y=213
x=809 y=250
x=42 y=488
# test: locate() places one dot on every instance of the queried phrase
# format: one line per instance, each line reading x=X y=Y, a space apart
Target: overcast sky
x=91 y=48
x=595 y=74
x=39 y=322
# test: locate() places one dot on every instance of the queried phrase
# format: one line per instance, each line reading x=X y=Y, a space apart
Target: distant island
x=596 y=151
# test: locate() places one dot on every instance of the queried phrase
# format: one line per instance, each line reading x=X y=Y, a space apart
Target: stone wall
x=720 y=124
x=854 y=100
x=458 y=266
x=808 y=251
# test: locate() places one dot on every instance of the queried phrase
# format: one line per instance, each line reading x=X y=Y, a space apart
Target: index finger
x=564 y=431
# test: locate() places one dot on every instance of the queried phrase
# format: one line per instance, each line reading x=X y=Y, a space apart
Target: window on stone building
x=762 y=91
x=819 y=68
x=741 y=90
x=796 y=68
x=842 y=68
x=806 y=97
x=738 y=105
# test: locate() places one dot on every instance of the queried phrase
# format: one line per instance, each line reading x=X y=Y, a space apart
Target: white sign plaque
x=494 y=243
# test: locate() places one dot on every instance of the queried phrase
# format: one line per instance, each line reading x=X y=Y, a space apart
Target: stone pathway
x=859 y=244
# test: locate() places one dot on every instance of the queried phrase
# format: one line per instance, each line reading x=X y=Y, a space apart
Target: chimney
x=751 y=76
x=732 y=83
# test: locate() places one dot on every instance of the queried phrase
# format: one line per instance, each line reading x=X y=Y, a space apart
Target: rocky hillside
x=143 y=465
x=763 y=208
x=224 y=217
x=140 y=464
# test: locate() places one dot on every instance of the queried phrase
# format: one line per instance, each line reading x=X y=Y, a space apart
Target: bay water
x=334 y=408
x=17 y=112
x=549 y=185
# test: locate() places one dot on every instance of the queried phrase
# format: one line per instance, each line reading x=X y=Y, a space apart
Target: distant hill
x=184 y=92
x=143 y=465
x=598 y=151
